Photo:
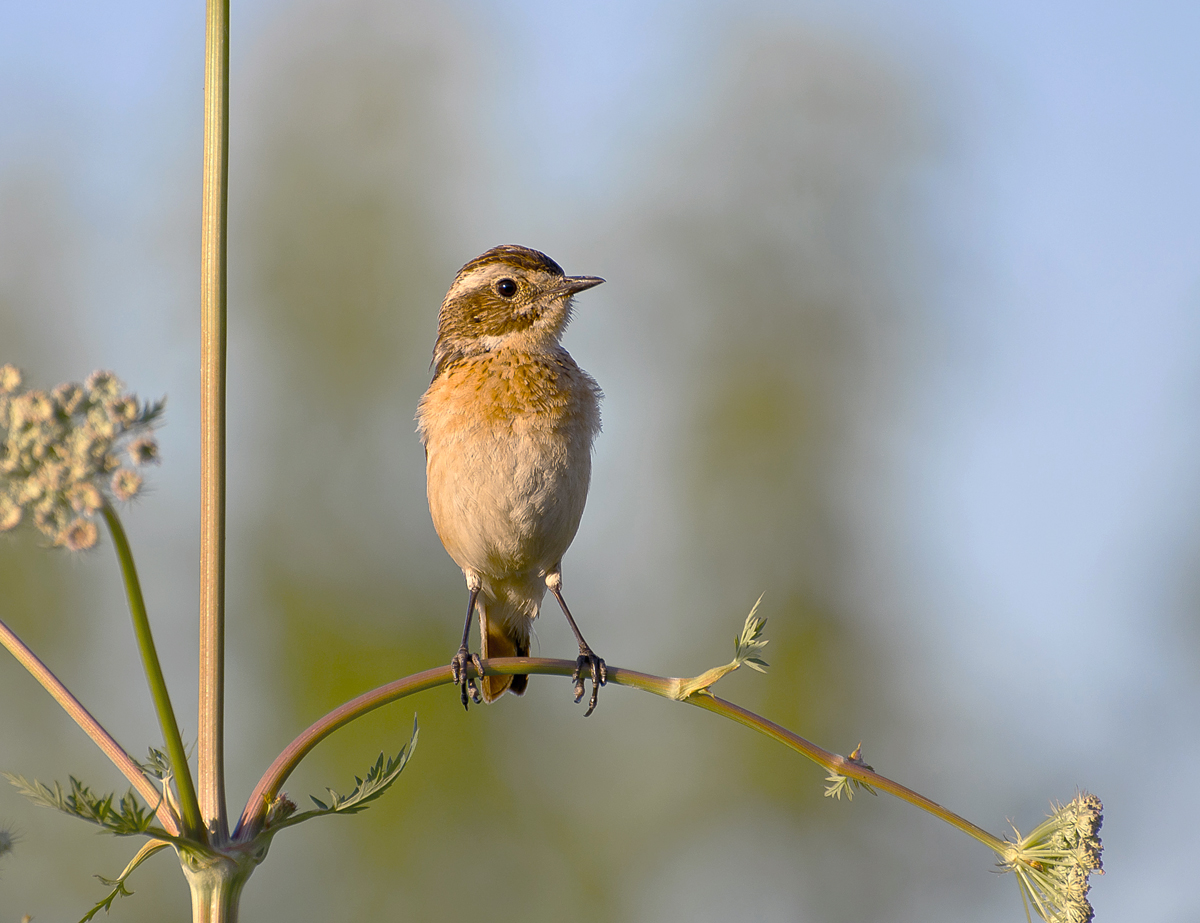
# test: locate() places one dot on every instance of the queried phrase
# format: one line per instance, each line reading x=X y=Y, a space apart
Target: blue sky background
x=1045 y=529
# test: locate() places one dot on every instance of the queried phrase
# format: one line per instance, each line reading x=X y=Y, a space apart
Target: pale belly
x=506 y=502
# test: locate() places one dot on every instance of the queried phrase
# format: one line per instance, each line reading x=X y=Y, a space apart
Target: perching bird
x=508 y=425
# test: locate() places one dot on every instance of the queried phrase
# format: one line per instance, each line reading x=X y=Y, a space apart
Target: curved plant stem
x=211 y=743
x=667 y=687
x=81 y=716
x=272 y=780
x=188 y=805
x=841 y=765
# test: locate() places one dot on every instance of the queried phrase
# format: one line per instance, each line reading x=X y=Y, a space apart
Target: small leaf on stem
x=128 y=818
x=379 y=779
x=118 y=883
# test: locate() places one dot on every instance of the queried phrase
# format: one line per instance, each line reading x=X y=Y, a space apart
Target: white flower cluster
x=64 y=451
x=1055 y=861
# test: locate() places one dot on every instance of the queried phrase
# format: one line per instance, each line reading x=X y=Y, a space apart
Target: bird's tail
x=503 y=632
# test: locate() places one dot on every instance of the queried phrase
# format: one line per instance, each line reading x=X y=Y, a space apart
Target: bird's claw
x=466 y=684
x=598 y=672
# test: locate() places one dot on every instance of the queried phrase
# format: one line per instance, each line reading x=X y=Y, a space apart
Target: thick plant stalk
x=211 y=743
x=216 y=883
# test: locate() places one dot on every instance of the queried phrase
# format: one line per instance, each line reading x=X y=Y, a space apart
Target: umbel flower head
x=1054 y=862
x=63 y=452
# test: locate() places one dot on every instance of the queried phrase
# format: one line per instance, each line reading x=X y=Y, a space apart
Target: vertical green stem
x=211 y=757
x=188 y=804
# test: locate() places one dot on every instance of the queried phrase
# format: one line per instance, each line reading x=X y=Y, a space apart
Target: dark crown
x=513 y=255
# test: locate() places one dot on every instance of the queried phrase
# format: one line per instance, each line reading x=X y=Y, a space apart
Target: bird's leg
x=596 y=665
x=458 y=666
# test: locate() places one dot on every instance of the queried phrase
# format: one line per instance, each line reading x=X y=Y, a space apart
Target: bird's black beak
x=573 y=284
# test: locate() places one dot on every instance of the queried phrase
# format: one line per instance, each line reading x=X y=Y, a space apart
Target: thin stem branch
x=211 y=744
x=81 y=716
x=667 y=687
x=188 y=805
x=841 y=765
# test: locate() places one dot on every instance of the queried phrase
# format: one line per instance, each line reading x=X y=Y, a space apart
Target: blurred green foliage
x=769 y=269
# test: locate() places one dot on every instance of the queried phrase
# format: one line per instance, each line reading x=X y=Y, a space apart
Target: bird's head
x=508 y=294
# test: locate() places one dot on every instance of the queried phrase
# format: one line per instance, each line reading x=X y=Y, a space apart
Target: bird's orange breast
x=507 y=388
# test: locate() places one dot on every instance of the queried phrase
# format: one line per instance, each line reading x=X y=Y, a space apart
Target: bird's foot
x=466 y=684
x=597 y=670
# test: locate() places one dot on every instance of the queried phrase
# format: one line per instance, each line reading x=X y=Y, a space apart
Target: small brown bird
x=508 y=425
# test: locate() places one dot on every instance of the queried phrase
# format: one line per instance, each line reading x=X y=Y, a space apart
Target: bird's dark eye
x=506 y=287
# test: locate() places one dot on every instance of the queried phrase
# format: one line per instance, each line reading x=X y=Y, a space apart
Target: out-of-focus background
x=902 y=330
